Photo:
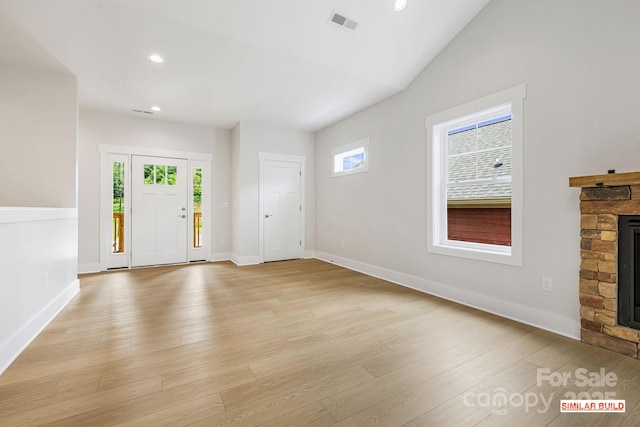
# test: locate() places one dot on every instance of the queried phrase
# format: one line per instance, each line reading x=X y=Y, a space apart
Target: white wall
x=38 y=274
x=248 y=139
x=105 y=128
x=580 y=62
x=38 y=111
x=38 y=246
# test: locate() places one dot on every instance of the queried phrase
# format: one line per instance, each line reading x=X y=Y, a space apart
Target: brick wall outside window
x=480 y=225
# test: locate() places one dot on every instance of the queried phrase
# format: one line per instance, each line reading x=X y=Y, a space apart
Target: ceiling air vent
x=343 y=21
x=142 y=111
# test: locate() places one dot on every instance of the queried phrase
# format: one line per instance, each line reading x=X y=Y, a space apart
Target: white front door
x=159 y=214
x=282 y=210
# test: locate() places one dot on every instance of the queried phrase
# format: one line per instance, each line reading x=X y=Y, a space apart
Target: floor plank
x=297 y=343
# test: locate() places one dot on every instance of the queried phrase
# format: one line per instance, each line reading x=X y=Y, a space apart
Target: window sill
x=350 y=172
x=477 y=251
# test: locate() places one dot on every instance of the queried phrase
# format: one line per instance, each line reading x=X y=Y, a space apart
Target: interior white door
x=282 y=210
x=159 y=210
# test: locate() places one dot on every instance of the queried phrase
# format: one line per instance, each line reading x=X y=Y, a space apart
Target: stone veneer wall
x=599 y=208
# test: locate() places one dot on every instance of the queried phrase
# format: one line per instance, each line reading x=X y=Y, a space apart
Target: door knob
x=267 y=216
x=182 y=216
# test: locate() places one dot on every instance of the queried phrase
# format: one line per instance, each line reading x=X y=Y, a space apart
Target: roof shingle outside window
x=472 y=156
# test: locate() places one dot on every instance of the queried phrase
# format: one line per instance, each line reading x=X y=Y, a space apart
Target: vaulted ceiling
x=232 y=60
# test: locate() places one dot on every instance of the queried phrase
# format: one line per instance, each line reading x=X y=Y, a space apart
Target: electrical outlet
x=341 y=244
x=546 y=284
x=221 y=240
x=46 y=280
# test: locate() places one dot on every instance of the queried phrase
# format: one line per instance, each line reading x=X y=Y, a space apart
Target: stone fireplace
x=604 y=198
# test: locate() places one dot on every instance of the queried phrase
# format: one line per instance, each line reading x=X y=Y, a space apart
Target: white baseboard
x=15 y=344
x=89 y=268
x=531 y=316
x=253 y=260
x=245 y=260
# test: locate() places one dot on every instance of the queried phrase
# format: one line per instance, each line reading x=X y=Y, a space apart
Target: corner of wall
x=89 y=268
x=15 y=344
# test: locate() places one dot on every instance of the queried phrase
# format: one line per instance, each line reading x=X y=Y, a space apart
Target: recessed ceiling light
x=156 y=58
x=155 y=108
x=400 y=5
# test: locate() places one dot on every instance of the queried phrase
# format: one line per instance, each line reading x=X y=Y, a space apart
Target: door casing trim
x=105 y=189
x=262 y=156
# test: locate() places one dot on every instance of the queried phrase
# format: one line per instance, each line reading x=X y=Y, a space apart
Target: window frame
x=469 y=113
x=345 y=151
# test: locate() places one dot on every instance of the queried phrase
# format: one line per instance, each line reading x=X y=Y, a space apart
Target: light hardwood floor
x=292 y=343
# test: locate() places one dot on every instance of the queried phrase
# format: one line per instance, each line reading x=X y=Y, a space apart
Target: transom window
x=351 y=158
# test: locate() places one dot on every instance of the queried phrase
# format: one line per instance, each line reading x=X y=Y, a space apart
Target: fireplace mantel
x=606 y=180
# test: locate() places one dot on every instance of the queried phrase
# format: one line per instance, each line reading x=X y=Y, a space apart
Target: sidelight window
x=197 y=207
x=118 y=206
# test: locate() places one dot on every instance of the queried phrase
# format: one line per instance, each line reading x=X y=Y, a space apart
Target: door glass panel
x=197 y=207
x=172 y=175
x=149 y=174
x=118 y=203
x=161 y=178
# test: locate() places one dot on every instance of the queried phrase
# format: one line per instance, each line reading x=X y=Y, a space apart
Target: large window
x=476 y=180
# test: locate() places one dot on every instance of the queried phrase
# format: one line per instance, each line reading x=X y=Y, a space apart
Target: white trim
x=436 y=237
x=249 y=260
x=245 y=260
x=551 y=322
x=281 y=157
x=107 y=258
x=153 y=152
x=262 y=156
x=11 y=348
x=486 y=102
x=9 y=215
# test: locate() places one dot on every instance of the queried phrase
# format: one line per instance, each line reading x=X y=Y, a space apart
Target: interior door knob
x=267 y=216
